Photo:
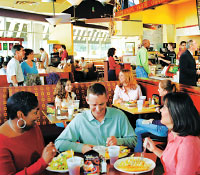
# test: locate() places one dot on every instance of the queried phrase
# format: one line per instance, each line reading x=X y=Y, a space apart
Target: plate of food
x=59 y=163
x=134 y=165
x=132 y=104
x=123 y=152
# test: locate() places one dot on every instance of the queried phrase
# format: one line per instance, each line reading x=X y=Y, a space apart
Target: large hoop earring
x=19 y=121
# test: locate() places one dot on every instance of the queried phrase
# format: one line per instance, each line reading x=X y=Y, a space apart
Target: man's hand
x=198 y=72
x=112 y=140
x=86 y=148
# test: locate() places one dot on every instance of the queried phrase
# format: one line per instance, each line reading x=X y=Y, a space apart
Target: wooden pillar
x=105 y=70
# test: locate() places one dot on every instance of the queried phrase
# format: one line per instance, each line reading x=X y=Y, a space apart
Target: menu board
x=198 y=11
x=5 y=46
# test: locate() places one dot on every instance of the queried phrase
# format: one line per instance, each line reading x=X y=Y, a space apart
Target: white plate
x=149 y=161
x=64 y=171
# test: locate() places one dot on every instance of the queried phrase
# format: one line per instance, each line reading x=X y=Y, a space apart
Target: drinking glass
x=113 y=152
x=139 y=104
x=74 y=165
x=70 y=111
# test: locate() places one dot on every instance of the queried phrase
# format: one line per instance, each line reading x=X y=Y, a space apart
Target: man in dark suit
x=187 y=64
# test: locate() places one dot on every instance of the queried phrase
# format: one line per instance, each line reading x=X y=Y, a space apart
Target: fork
x=142 y=153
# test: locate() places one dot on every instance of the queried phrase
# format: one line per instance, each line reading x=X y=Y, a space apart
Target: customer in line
x=3 y=70
x=14 y=71
x=63 y=54
x=28 y=65
x=127 y=89
x=112 y=65
x=153 y=126
x=100 y=125
x=142 y=61
x=182 y=49
x=187 y=65
x=22 y=148
x=63 y=93
x=44 y=57
x=181 y=156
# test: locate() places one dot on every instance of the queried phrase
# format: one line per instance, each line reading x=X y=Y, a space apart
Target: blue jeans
x=158 y=130
x=141 y=73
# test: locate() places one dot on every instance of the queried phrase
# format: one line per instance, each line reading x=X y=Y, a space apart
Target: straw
x=72 y=155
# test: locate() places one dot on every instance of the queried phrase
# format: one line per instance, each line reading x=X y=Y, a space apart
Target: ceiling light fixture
x=74 y=2
x=55 y=20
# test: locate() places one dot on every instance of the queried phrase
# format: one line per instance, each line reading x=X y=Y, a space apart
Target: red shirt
x=22 y=154
x=64 y=55
x=182 y=155
x=112 y=63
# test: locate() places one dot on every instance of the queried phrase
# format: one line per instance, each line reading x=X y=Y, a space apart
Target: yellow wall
x=63 y=34
x=186 y=14
x=129 y=28
x=164 y=14
x=182 y=14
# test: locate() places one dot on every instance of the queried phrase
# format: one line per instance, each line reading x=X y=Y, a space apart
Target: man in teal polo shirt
x=142 y=62
x=101 y=125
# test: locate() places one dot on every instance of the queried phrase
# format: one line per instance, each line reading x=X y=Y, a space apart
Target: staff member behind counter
x=168 y=57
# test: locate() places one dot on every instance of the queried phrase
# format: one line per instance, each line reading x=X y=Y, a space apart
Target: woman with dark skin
x=22 y=148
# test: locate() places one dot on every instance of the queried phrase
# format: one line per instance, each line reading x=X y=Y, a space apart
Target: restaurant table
x=53 y=119
x=110 y=169
x=134 y=110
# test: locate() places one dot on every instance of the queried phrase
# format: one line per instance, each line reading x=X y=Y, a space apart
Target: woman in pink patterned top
x=182 y=154
x=22 y=148
x=128 y=89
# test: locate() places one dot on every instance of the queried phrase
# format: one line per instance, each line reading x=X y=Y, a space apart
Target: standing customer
x=128 y=89
x=14 y=71
x=63 y=54
x=181 y=156
x=21 y=142
x=182 y=49
x=28 y=66
x=3 y=70
x=44 y=57
x=153 y=126
x=112 y=65
x=142 y=62
x=187 y=64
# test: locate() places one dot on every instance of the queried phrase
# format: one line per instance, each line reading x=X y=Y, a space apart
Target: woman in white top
x=128 y=89
x=63 y=93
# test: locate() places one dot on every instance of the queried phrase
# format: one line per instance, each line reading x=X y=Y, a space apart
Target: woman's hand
x=158 y=110
x=149 y=144
x=49 y=152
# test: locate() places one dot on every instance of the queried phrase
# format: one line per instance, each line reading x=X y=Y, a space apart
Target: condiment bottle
x=103 y=166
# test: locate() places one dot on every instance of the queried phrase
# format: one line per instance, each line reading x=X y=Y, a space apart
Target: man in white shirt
x=14 y=71
x=44 y=57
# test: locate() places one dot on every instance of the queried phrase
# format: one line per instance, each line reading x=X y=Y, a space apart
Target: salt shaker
x=104 y=166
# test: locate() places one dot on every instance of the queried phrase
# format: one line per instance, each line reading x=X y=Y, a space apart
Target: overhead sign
x=141 y=6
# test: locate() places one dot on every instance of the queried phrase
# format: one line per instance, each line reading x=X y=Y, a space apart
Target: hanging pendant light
x=74 y=2
x=55 y=20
